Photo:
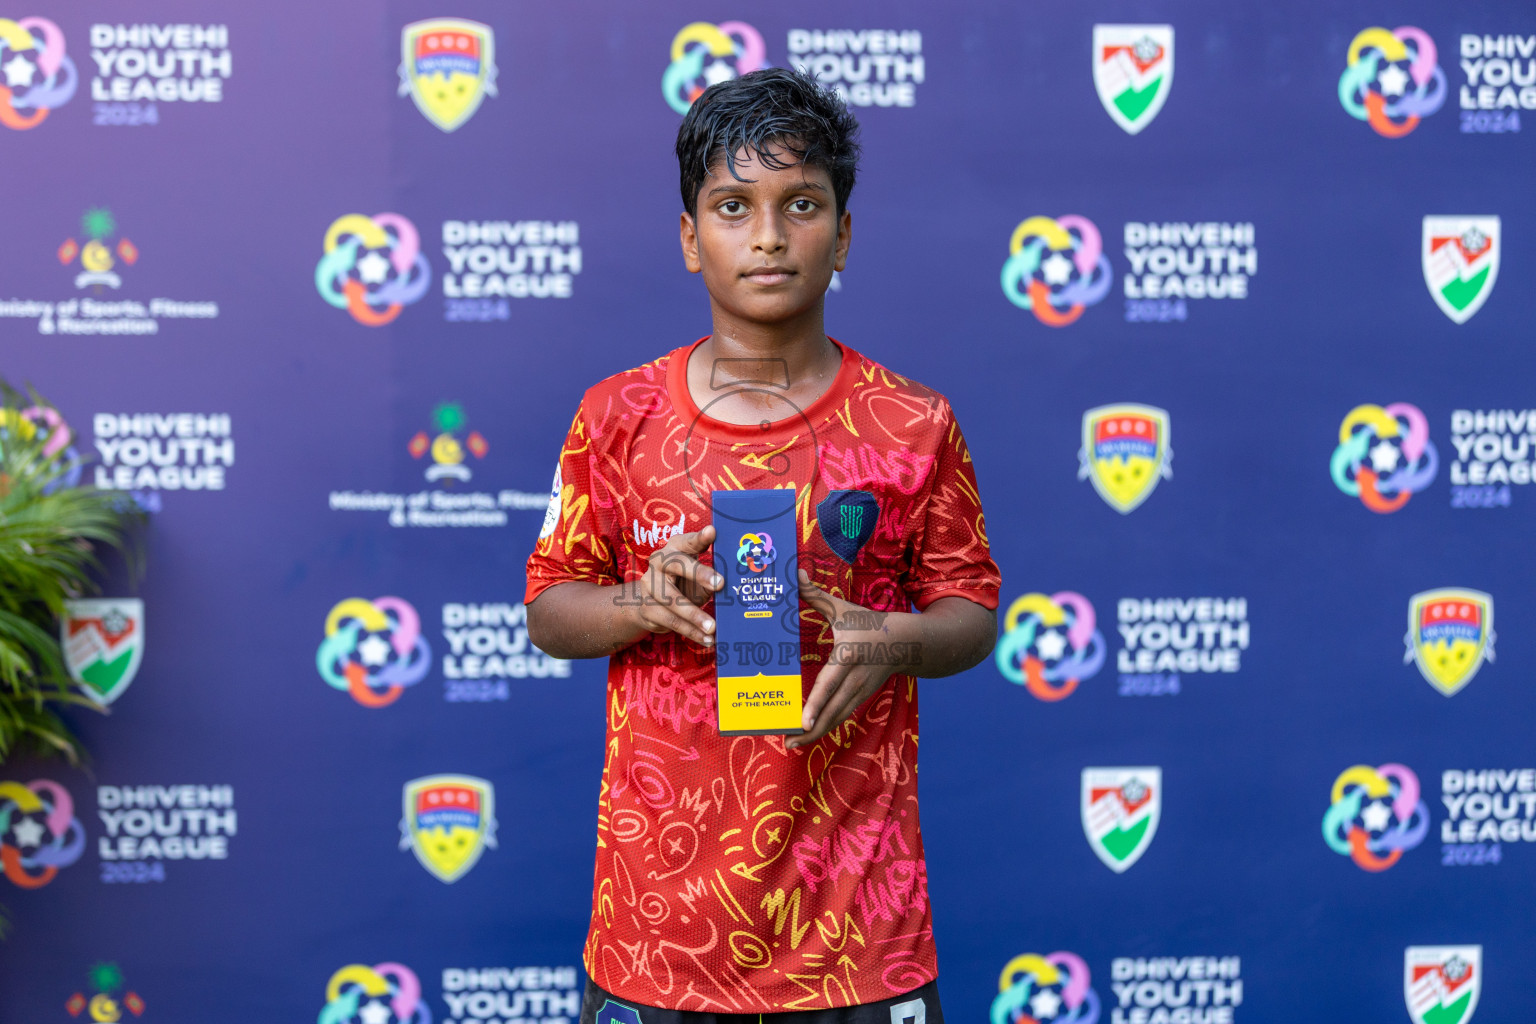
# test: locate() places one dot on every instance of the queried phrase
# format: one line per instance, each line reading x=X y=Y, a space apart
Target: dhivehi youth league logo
x=373 y=649
x=1450 y=635
x=1442 y=983
x=1121 y=808
x=1050 y=643
x=1052 y=989
x=103 y=643
x=1126 y=451
x=39 y=832
x=755 y=552
x=39 y=75
x=1461 y=262
x=1374 y=814
x=1394 y=439
x=373 y=267
x=386 y=993
x=447 y=65
x=703 y=54
x=1392 y=79
x=1056 y=268
x=1133 y=71
x=449 y=820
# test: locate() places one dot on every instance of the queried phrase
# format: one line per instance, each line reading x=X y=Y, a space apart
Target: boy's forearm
x=951 y=635
x=583 y=620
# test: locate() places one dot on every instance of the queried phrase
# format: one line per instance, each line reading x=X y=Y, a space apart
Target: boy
x=763 y=875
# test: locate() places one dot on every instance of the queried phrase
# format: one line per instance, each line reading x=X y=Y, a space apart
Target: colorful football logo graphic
x=39 y=832
x=1126 y=451
x=382 y=994
x=703 y=54
x=1121 y=808
x=39 y=75
x=1461 y=262
x=43 y=425
x=755 y=553
x=1375 y=814
x=373 y=649
x=1392 y=79
x=103 y=643
x=448 y=822
x=1133 y=71
x=447 y=66
x=1050 y=643
x=1052 y=989
x=1395 y=441
x=1056 y=268
x=373 y=267
x=1450 y=635
x=1442 y=983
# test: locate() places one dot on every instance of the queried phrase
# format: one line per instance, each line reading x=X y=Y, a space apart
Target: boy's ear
x=844 y=238
x=690 y=240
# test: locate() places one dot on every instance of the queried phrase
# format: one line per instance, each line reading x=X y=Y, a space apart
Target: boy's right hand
x=677 y=585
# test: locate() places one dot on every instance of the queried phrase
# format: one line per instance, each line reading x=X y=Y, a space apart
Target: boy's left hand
x=868 y=647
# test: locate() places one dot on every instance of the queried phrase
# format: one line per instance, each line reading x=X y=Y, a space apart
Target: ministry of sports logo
x=447 y=66
x=386 y=993
x=1392 y=79
x=1374 y=814
x=96 y=263
x=39 y=833
x=446 y=449
x=1450 y=635
x=703 y=54
x=103 y=643
x=1133 y=71
x=1056 y=268
x=1461 y=262
x=1126 y=451
x=448 y=822
x=755 y=552
x=373 y=649
x=104 y=1004
x=1441 y=983
x=38 y=74
x=1050 y=643
x=1121 y=808
x=373 y=267
x=1050 y=989
x=1394 y=439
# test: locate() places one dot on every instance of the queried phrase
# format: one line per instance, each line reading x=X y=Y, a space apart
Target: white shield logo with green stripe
x=1133 y=71
x=1441 y=983
x=1121 y=807
x=1461 y=262
x=103 y=642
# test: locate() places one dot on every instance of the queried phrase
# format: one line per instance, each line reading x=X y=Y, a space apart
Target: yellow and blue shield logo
x=447 y=65
x=1125 y=453
x=1450 y=635
x=449 y=821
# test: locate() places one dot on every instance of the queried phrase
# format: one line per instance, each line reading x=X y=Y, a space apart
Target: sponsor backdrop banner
x=1242 y=352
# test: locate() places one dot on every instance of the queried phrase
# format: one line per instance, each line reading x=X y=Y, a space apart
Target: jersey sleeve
x=576 y=542
x=950 y=556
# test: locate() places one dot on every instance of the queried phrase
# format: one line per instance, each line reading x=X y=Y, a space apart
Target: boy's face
x=767 y=247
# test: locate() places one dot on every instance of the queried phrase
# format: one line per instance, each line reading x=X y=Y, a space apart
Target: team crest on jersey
x=449 y=820
x=1461 y=262
x=1125 y=453
x=1450 y=635
x=614 y=1012
x=1051 y=989
x=847 y=520
x=103 y=642
x=1442 y=983
x=1050 y=643
x=1121 y=808
x=447 y=66
x=1133 y=71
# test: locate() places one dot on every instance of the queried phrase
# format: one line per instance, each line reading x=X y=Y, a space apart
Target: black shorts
x=920 y=1006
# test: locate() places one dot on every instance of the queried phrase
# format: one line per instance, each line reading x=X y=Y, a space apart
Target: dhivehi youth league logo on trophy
x=449 y=820
x=1133 y=71
x=1121 y=808
x=103 y=643
x=1442 y=983
x=1461 y=262
x=447 y=66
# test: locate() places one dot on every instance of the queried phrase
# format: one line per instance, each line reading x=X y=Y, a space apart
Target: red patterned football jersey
x=734 y=875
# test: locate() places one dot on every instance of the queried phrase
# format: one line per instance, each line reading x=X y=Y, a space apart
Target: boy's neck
x=781 y=367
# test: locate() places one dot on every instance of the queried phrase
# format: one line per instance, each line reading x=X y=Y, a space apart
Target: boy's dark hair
x=768 y=113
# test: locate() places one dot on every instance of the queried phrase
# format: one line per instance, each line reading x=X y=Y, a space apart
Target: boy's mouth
x=769 y=275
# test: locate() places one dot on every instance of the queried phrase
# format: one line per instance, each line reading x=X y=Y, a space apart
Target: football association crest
x=447 y=66
x=1461 y=262
x=103 y=642
x=449 y=821
x=1442 y=983
x=1450 y=635
x=1133 y=71
x=1121 y=808
x=1125 y=453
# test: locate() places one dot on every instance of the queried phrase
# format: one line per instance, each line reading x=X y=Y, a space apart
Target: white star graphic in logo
x=1057 y=269
x=374 y=1012
x=28 y=832
x=1393 y=80
x=718 y=71
x=372 y=268
x=1050 y=644
x=1384 y=457
x=1045 y=1004
x=19 y=71
x=374 y=650
x=1376 y=815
